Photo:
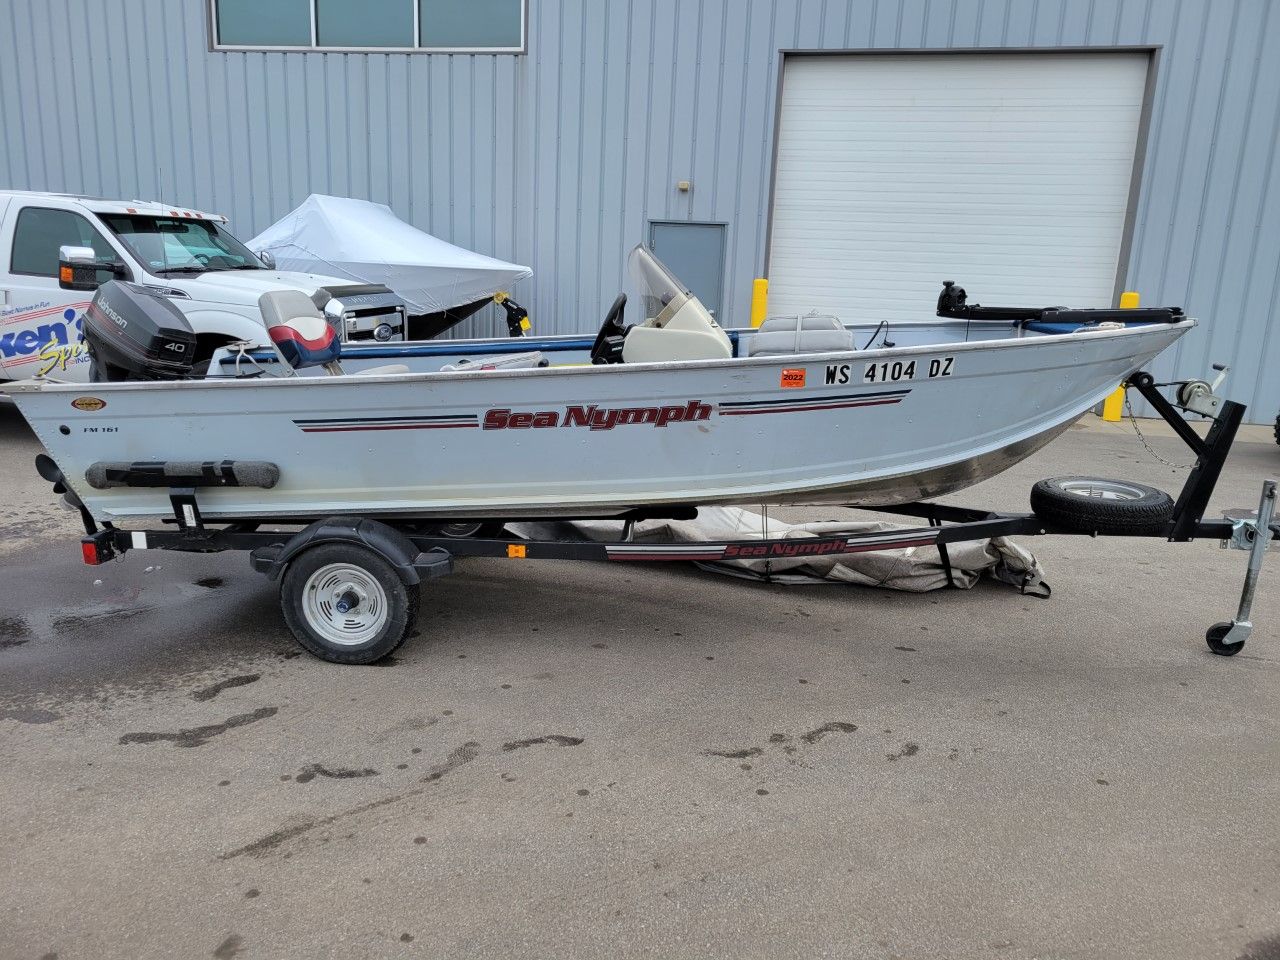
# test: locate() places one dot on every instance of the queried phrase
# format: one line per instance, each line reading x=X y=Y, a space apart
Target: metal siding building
x=561 y=158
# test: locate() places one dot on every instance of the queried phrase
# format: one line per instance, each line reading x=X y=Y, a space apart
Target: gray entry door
x=695 y=254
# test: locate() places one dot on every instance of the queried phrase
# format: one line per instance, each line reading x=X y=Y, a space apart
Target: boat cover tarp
x=913 y=569
x=366 y=243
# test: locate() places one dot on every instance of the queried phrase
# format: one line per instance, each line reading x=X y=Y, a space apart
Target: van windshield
x=176 y=245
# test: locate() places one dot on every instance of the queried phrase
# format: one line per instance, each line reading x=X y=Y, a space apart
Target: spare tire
x=1099 y=505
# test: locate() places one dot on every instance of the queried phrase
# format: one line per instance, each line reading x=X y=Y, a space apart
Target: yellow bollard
x=1113 y=406
x=759 y=300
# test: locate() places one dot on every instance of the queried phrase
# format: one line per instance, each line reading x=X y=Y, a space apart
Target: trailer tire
x=1098 y=505
x=346 y=604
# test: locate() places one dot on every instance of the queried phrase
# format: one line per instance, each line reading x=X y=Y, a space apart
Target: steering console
x=608 y=344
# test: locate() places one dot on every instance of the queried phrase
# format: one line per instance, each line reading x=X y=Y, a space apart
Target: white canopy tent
x=367 y=243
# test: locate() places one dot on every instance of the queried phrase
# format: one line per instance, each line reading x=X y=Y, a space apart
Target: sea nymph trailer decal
x=816 y=547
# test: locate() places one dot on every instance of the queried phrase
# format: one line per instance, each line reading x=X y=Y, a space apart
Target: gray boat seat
x=281 y=306
x=502 y=361
x=815 y=333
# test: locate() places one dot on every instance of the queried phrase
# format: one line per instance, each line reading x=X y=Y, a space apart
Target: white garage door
x=1008 y=173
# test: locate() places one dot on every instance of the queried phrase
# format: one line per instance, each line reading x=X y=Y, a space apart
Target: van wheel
x=1098 y=505
x=346 y=604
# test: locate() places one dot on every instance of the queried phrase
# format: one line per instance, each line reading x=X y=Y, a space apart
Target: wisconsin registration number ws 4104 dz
x=891 y=371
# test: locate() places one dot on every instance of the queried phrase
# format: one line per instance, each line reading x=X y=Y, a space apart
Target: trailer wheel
x=1215 y=635
x=1098 y=505
x=346 y=604
x=466 y=529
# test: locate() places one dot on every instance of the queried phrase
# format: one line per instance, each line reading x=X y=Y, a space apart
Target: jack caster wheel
x=1215 y=636
x=346 y=604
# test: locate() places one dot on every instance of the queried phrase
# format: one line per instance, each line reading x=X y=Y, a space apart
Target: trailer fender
x=411 y=564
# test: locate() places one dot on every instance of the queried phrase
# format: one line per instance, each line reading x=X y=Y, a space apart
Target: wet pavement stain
x=14 y=632
x=1268 y=948
x=33 y=715
x=554 y=739
x=734 y=754
x=458 y=757
x=208 y=693
x=908 y=750
x=79 y=621
x=461 y=755
x=233 y=946
x=273 y=841
x=833 y=726
x=313 y=770
x=211 y=583
x=198 y=736
x=784 y=740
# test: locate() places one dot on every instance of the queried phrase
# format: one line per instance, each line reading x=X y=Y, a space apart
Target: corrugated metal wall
x=558 y=159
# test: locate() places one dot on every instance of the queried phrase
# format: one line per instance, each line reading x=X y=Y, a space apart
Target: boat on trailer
x=665 y=416
x=366 y=473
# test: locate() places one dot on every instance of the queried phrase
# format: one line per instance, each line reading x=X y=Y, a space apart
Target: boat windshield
x=661 y=292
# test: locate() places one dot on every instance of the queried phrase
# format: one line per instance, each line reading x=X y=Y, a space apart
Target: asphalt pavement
x=580 y=760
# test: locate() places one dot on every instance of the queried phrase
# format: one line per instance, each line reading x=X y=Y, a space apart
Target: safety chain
x=1128 y=409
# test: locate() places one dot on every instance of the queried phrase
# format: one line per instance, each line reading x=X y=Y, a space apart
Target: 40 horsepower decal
x=594 y=417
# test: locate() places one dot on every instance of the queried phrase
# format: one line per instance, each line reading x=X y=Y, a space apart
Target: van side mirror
x=267 y=259
x=78 y=268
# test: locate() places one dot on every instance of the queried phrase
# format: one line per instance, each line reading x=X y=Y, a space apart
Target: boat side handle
x=182 y=473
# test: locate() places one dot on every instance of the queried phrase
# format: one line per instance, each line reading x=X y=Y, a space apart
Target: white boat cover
x=366 y=243
x=912 y=569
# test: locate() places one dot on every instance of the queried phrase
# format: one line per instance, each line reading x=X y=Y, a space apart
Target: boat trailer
x=349 y=584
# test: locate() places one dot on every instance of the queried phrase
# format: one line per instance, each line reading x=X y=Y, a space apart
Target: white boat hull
x=578 y=441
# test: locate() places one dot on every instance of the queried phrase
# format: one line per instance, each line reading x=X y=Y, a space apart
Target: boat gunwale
x=440 y=376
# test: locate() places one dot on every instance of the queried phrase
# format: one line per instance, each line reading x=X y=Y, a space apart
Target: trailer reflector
x=89 y=550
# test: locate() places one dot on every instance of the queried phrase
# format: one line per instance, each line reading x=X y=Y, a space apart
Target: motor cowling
x=134 y=333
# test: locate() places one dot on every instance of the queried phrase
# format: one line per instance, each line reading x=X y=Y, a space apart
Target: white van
x=188 y=255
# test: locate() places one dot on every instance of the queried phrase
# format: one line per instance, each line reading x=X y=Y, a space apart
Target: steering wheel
x=612 y=327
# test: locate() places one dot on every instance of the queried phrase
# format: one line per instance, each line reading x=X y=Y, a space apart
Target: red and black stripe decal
x=748 y=408
x=356 y=424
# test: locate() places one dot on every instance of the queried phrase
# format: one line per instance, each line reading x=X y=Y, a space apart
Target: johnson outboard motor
x=135 y=334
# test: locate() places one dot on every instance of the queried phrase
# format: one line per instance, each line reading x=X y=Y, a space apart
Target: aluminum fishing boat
x=671 y=412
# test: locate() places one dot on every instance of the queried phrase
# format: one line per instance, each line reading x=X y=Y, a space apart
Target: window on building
x=41 y=232
x=470 y=23
x=424 y=26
